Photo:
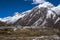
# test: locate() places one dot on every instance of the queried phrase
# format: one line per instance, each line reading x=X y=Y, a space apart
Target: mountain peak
x=46 y=4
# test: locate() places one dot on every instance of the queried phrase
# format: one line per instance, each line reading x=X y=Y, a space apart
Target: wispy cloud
x=38 y=1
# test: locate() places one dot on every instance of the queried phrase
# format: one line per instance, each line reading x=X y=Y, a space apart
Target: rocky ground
x=28 y=33
x=55 y=37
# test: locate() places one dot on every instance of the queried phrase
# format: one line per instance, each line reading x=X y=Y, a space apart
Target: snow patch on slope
x=56 y=9
x=12 y=19
x=4 y=19
x=15 y=18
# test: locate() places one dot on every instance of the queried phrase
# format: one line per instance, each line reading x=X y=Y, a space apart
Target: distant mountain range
x=45 y=14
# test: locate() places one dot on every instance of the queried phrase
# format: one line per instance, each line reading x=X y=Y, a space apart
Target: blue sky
x=8 y=7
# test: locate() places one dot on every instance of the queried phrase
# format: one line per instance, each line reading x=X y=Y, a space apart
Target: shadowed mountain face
x=42 y=15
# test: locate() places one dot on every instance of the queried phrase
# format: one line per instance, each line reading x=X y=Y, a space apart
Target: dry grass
x=30 y=32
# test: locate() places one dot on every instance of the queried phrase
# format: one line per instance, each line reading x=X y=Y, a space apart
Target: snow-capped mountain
x=45 y=14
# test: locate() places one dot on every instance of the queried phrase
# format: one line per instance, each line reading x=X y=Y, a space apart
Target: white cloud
x=38 y=1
